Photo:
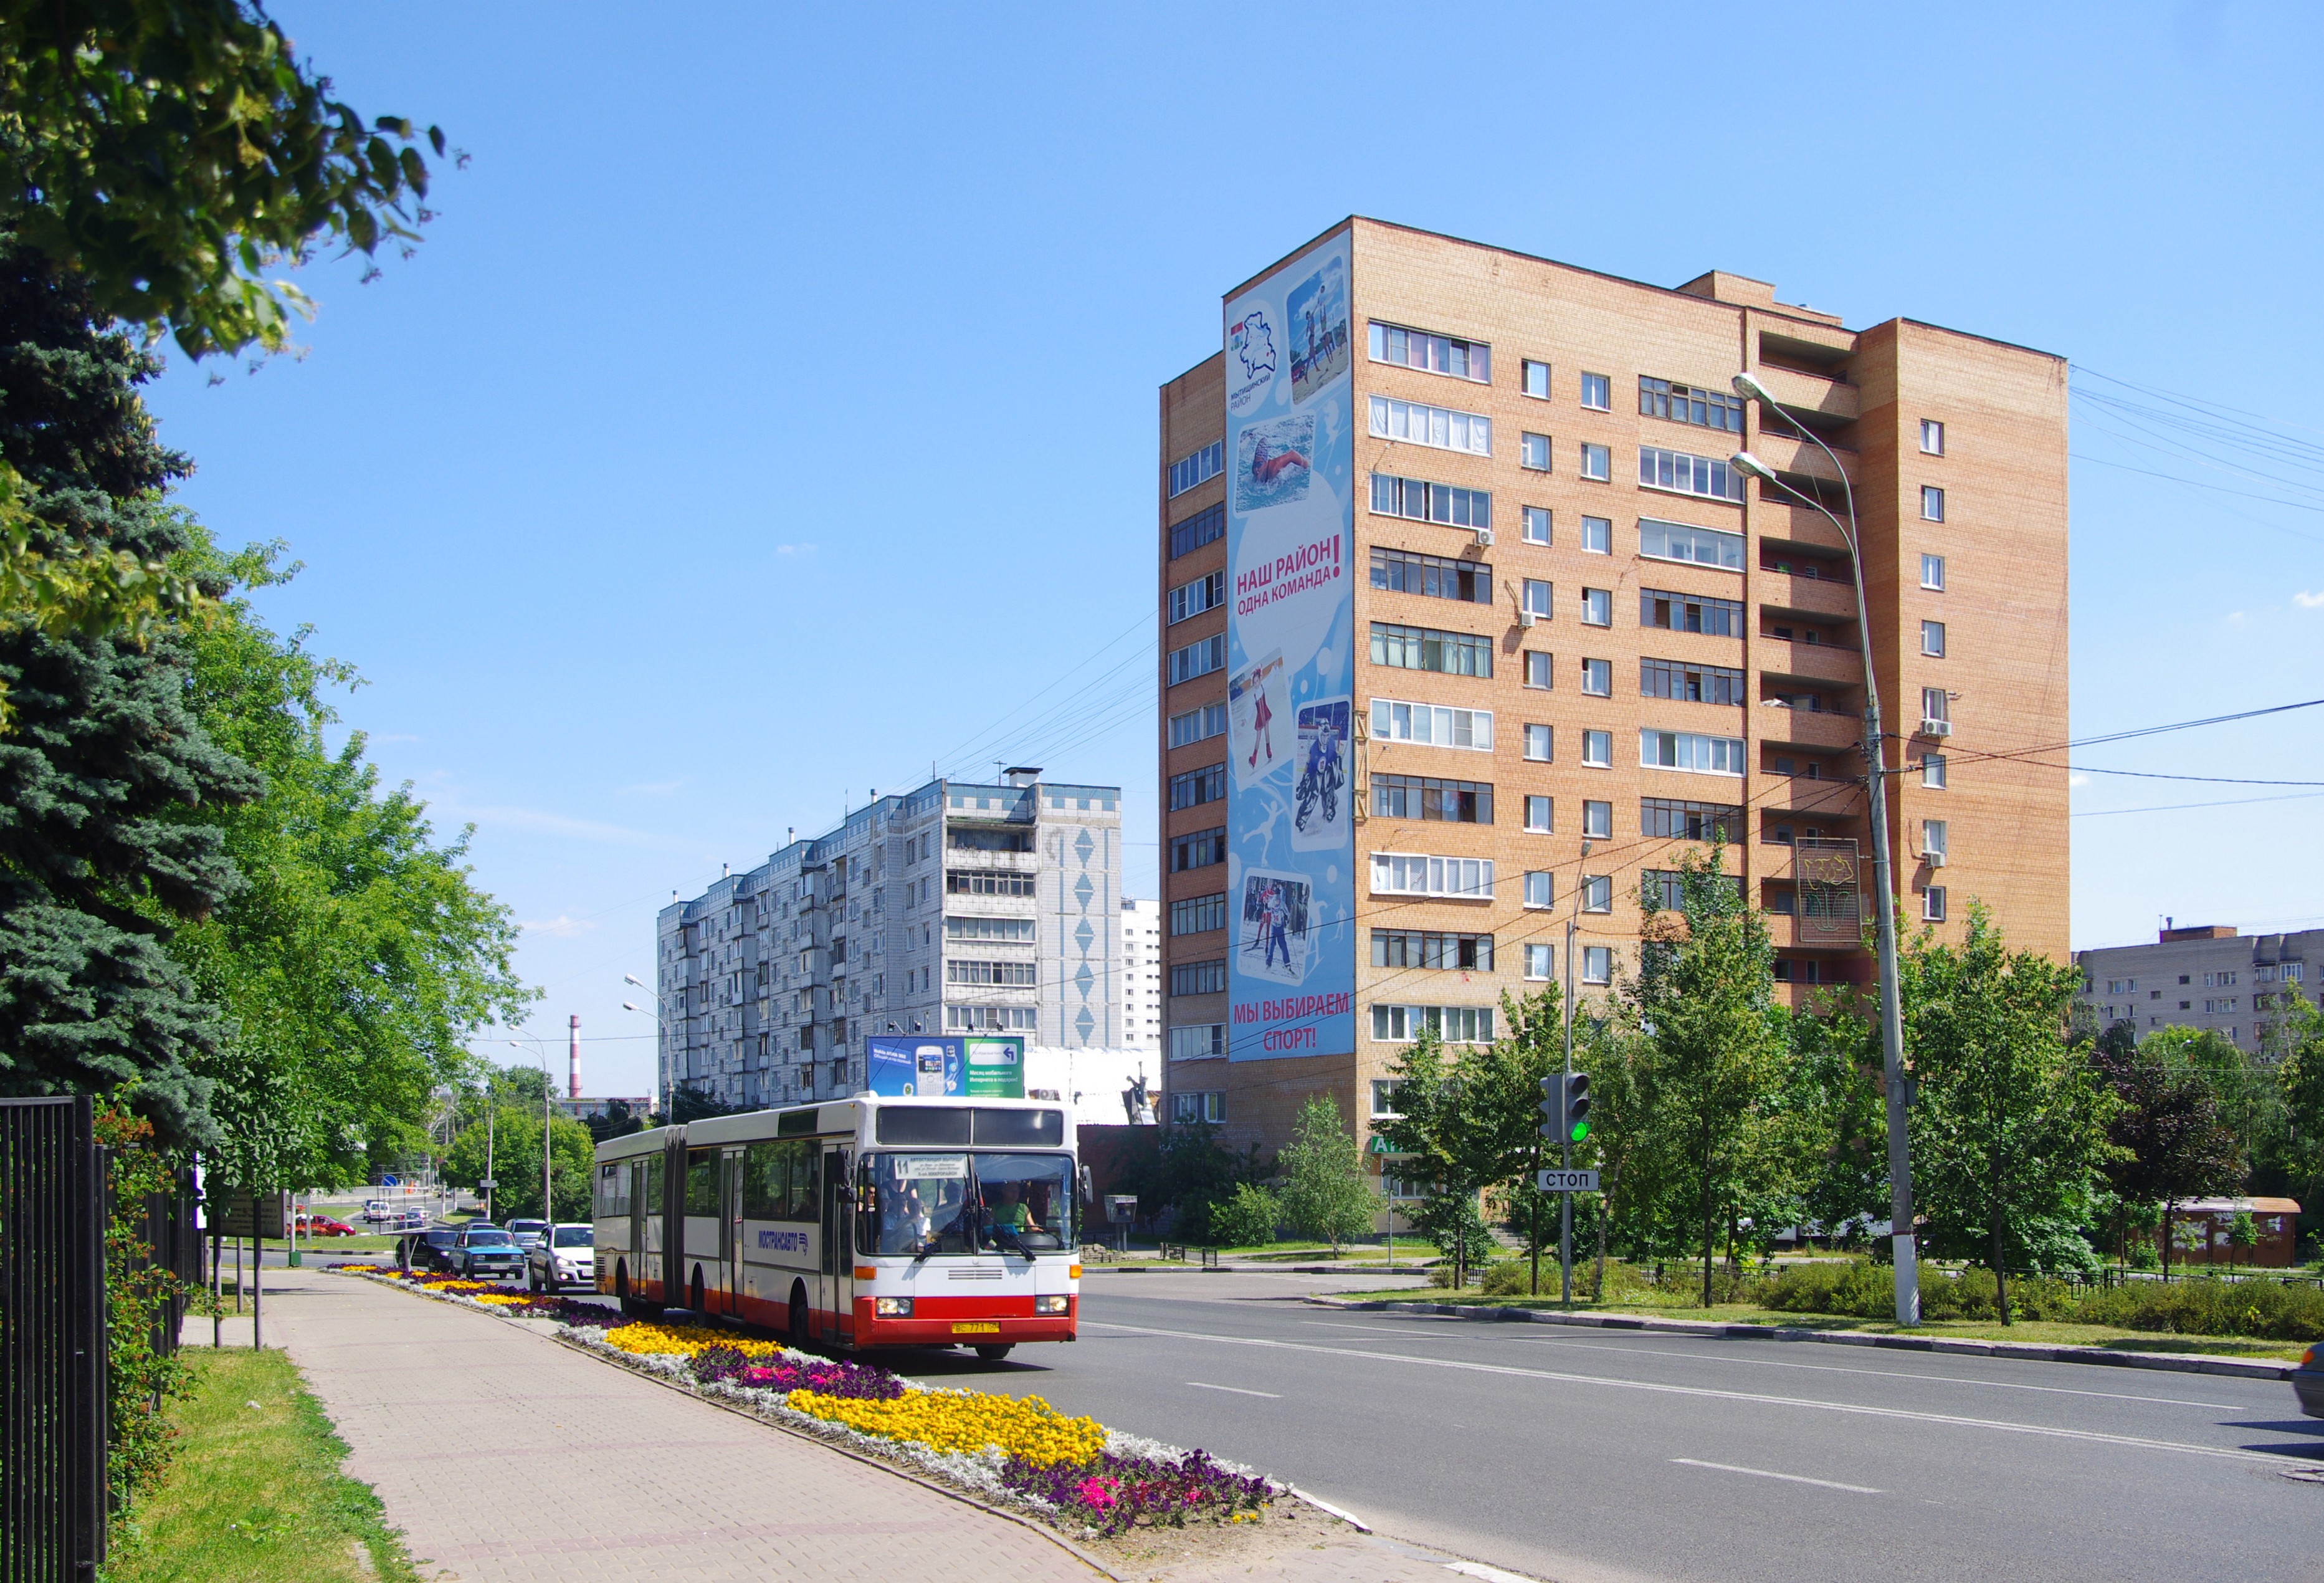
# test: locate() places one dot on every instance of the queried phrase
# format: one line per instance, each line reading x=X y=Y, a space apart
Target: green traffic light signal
x=1577 y=1106
x=1580 y=1130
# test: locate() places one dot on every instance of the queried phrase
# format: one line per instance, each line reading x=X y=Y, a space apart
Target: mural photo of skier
x=1273 y=933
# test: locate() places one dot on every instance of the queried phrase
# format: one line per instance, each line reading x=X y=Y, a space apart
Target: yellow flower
x=965 y=1421
x=646 y=1338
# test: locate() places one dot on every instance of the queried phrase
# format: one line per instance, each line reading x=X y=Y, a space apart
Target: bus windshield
x=924 y=1203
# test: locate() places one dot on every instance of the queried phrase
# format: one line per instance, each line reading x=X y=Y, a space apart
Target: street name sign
x=1566 y=1181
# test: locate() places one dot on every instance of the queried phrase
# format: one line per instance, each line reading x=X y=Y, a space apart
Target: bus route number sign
x=1566 y=1181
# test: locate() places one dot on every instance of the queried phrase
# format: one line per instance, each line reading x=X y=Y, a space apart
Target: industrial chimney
x=572 y=1060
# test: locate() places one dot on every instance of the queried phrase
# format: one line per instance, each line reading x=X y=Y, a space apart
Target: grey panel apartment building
x=2208 y=977
x=955 y=908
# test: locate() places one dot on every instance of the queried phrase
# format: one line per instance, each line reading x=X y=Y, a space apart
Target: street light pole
x=547 y=1088
x=1892 y=1018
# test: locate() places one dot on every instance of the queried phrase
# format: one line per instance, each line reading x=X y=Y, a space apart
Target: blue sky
x=770 y=410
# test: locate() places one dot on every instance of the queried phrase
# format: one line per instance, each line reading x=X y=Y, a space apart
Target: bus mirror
x=1089 y=1194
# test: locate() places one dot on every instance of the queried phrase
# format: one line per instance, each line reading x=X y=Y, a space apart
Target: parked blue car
x=487 y=1252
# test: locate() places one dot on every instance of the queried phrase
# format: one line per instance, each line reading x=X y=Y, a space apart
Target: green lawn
x=2050 y=1333
x=255 y=1494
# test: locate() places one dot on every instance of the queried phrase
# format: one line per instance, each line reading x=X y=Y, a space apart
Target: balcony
x=1824 y=800
x=1820 y=665
x=1789 y=596
x=1012 y=862
x=1789 y=454
x=1825 y=731
x=1791 y=931
x=1813 y=397
x=1781 y=520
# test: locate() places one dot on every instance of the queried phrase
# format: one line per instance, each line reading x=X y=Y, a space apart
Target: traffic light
x=1553 y=1107
x=1577 y=1107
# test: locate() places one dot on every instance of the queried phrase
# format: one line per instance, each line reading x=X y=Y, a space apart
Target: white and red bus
x=863 y=1222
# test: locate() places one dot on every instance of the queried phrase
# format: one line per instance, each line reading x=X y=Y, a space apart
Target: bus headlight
x=1051 y=1305
x=892 y=1308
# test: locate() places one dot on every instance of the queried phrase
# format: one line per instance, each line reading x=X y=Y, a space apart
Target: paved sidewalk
x=506 y=1458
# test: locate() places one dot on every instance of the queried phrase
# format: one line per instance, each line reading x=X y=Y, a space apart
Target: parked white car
x=565 y=1255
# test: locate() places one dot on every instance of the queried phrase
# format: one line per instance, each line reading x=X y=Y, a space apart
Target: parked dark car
x=432 y=1249
x=486 y=1253
x=2308 y=1382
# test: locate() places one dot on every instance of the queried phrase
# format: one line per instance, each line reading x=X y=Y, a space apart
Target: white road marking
x=1854 y=1489
x=2092 y=1437
x=1238 y=1390
x=1832 y=1368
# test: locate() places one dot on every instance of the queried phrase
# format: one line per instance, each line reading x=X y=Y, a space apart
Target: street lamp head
x=631 y=1005
x=1743 y=461
x=633 y=978
x=1748 y=387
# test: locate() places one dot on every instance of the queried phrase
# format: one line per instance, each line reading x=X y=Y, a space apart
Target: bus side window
x=766 y=1182
x=805 y=1200
x=652 y=1171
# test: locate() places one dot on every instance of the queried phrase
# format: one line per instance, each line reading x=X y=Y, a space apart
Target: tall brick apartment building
x=1581 y=646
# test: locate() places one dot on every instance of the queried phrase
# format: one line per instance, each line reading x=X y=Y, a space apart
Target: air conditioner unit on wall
x=1525 y=618
x=1934 y=859
x=1936 y=727
x=1485 y=537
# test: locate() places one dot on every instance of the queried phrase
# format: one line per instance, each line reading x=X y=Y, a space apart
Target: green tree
x=2301 y=1080
x=174 y=151
x=1713 y=1085
x=1836 y=1078
x=2009 y=1123
x=1247 y=1218
x=617 y=1122
x=97 y=866
x=512 y=1141
x=1325 y=1193
x=2170 y=1143
x=1470 y=1123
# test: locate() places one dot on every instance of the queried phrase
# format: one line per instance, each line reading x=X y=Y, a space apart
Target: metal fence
x=53 y=1342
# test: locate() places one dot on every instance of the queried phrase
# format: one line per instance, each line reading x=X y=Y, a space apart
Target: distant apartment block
x=956 y=908
x=2210 y=976
x=1141 y=975
x=1469 y=629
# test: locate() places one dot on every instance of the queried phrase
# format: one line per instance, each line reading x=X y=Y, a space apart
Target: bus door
x=838 y=1297
x=633 y=1172
x=730 y=1235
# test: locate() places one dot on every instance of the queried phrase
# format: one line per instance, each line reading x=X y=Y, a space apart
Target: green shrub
x=1246 y=1220
x=1513 y=1278
x=1441 y=1274
x=2268 y=1310
x=1858 y=1288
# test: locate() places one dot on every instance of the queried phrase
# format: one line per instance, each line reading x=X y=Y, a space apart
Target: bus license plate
x=976 y=1327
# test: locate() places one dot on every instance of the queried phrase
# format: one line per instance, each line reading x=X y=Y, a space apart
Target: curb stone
x=2244 y=1368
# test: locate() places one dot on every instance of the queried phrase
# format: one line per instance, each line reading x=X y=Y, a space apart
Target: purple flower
x=1113 y=1492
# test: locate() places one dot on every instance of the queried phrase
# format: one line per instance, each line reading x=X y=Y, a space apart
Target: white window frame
x=1540 y=670
x=1540 y=962
x=1533 y=517
x=1429 y=725
x=1932 y=573
x=1540 y=814
x=1933 y=770
x=1401 y=1025
x=1603 y=390
x=1693 y=753
x=1437 y=428
x=1597 y=820
x=1199 y=724
x=1540 y=889
x=1527 y=370
x=1603 y=673
x=1685 y=544
x=1597 y=964
x=1596 y=607
x=1422 y=874
x=1932 y=503
x=1534 y=452
x=1598 y=750
x=1207 y=592
x=1932 y=437
x=1543 y=737
x=1198 y=1040
x=1933 y=834
x=1538 y=599
x=1932 y=905
x=1597 y=535
x=1932 y=639
x=1598 y=462
x=1597 y=893
x=1943 y=702
x=1197 y=467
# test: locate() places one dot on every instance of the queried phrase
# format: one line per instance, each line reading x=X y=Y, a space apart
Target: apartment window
x=1598 y=462
x=987 y=882
x=1690 y=751
x=1932 y=573
x=1538 y=600
x=1598 y=820
x=1598 y=535
x=1197 y=1041
x=1434 y=577
x=1019 y=929
x=1932 y=639
x=1540 y=744
x=1540 y=962
x=1597 y=893
x=1936 y=705
x=1199 y=977
x=1197 y=531
x=1597 y=678
x=1198 y=724
x=1681 y=472
x=1199 y=657
x=1394 y=720
x=1003 y=974
x=1932 y=503
x=1196 y=787
x=1932 y=437
x=1426 y=797
x=976 y=1020
x=1598 y=749
x=1539 y=815
x=1683 y=404
x=1539 y=890
x=1415 y=348
x=1538 y=671
x=1441 y=427
x=1597 y=964
x=1597 y=392
x=1596 y=607
x=1533 y=451
x=1204 y=593
x=1661 y=541
x=1421 y=648
x=1198 y=914
x=1674 y=612
x=1208 y=1105
x=1675 y=819
x=1932 y=837
x=1417 y=947
x=1423 y=502
x=1415 y=874
x=1932 y=905
x=1535 y=524
x=1535 y=382
x=1694 y=684
x=1199 y=850
x=1453 y=1024
x=1197 y=469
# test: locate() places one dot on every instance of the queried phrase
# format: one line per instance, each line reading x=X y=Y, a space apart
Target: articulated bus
x=861 y=1223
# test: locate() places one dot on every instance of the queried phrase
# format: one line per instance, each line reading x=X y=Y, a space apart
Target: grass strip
x=255 y=1494
x=2038 y=1332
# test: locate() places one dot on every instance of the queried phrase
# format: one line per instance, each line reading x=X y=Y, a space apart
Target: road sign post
x=1566 y=1181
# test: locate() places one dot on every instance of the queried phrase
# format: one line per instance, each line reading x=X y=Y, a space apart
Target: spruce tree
x=104 y=756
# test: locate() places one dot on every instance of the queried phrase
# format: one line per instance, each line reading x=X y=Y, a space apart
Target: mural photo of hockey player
x=1272 y=938
x=1319 y=796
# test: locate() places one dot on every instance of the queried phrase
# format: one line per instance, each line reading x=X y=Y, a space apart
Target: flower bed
x=495 y=1297
x=1020 y=1450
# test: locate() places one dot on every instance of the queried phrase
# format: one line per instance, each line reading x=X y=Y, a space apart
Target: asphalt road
x=1581 y=1455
